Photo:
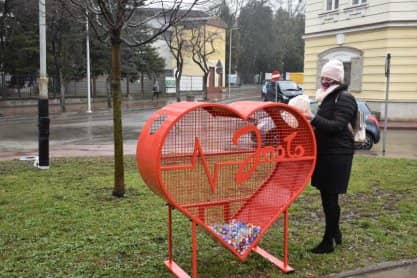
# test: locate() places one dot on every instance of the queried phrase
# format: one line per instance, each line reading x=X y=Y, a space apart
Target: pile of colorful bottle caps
x=238 y=234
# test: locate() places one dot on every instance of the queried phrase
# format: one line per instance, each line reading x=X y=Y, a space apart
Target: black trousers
x=331 y=208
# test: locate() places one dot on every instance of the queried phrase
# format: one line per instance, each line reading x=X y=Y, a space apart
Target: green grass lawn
x=64 y=222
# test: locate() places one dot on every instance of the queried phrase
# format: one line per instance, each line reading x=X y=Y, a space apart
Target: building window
x=334 y=4
x=358 y=2
x=347 y=67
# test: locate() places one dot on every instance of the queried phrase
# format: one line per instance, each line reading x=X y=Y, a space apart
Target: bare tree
x=236 y=6
x=177 y=44
x=293 y=7
x=67 y=62
x=296 y=7
x=202 y=46
x=135 y=23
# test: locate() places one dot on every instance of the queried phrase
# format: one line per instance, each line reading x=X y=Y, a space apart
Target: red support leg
x=194 y=246
x=169 y=233
x=286 y=239
x=170 y=264
x=283 y=265
x=179 y=272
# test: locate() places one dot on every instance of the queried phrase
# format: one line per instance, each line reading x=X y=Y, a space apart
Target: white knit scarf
x=321 y=93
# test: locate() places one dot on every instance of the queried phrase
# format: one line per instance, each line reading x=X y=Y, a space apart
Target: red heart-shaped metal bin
x=232 y=169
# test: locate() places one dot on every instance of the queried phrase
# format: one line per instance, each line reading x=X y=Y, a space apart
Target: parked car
x=269 y=133
x=372 y=128
x=280 y=91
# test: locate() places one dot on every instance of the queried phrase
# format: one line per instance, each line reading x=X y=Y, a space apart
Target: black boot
x=325 y=246
x=338 y=237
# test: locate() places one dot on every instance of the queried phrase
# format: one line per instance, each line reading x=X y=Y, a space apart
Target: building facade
x=361 y=33
x=214 y=34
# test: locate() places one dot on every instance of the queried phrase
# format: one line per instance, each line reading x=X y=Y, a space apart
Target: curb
x=380 y=270
x=411 y=126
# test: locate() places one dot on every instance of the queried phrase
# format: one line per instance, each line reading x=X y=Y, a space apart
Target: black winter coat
x=331 y=122
x=335 y=145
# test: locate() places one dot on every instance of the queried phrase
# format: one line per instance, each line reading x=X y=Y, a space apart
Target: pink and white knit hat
x=333 y=69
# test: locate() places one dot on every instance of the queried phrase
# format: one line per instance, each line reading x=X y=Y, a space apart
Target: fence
x=100 y=87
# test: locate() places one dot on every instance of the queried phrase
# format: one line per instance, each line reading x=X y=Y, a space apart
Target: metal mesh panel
x=199 y=151
x=226 y=170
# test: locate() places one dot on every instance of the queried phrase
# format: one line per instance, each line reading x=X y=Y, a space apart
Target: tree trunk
x=205 y=77
x=142 y=89
x=119 y=183
x=94 y=87
x=59 y=80
x=178 y=86
x=3 y=79
x=108 y=91
x=61 y=92
x=127 y=86
x=3 y=85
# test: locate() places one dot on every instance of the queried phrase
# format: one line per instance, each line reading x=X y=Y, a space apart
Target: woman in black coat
x=335 y=148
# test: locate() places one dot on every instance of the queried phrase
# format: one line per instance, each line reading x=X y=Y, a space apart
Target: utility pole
x=387 y=76
x=230 y=58
x=230 y=61
x=43 y=109
x=88 y=65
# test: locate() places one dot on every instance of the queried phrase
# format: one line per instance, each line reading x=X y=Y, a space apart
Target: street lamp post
x=88 y=65
x=43 y=109
x=230 y=59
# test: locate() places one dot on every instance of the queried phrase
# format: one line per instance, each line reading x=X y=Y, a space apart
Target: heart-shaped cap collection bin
x=232 y=169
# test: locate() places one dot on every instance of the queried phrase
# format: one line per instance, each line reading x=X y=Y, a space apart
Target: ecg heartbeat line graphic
x=267 y=154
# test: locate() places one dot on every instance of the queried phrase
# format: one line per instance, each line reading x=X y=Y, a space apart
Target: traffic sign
x=275 y=75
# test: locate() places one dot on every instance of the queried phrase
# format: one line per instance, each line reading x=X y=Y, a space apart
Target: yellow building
x=212 y=31
x=214 y=36
x=361 y=33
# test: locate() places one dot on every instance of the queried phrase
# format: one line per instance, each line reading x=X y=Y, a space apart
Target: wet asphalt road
x=82 y=134
x=71 y=134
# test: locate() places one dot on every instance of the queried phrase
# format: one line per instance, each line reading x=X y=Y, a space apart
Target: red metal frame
x=216 y=165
